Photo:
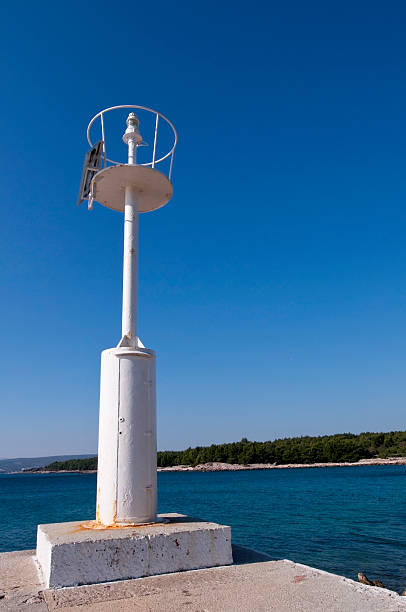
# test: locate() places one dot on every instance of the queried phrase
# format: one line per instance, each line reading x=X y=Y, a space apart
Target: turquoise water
x=342 y=520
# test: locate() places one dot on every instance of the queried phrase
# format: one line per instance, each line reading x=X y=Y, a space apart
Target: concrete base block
x=71 y=554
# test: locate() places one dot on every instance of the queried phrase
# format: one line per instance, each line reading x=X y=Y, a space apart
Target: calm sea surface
x=343 y=520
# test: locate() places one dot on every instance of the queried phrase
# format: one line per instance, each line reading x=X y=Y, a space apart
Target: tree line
x=305 y=449
x=89 y=463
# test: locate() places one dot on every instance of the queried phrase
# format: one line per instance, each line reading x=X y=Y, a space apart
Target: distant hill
x=20 y=464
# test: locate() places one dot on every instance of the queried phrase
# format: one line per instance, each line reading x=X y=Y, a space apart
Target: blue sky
x=273 y=285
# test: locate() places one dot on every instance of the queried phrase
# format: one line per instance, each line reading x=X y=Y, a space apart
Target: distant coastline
x=336 y=450
x=236 y=467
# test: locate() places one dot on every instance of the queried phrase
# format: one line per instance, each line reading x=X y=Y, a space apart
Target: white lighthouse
x=127 y=539
x=126 y=486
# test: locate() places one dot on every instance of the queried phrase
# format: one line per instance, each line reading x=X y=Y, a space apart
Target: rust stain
x=98 y=506
x=99 y=526
x=299 y=578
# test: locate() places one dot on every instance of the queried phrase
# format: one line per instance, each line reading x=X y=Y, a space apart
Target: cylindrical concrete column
x=126 y=481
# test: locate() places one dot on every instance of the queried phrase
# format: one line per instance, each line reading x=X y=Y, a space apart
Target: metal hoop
x=154 y=161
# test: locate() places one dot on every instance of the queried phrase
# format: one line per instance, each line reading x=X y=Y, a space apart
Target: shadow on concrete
x=242 y=555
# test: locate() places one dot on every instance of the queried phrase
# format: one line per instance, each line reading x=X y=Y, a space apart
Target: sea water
x=343 y=520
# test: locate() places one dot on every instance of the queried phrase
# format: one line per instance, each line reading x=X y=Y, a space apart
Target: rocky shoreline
x=235 y=467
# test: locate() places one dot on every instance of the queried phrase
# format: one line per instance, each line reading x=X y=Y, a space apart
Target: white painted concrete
x=70 y=554
x=126 y=478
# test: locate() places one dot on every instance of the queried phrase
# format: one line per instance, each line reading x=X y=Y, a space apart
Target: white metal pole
x=132 y=137
x=130 y=264
x=132 y=152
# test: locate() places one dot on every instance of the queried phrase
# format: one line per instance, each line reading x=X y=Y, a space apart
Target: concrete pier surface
x=253 y=584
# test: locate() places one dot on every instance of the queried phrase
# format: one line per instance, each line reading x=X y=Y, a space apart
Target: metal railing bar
x=155 y=139
x=170 y=167
x=103 y=138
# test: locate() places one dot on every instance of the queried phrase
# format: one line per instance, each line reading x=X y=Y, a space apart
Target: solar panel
x=91 y=166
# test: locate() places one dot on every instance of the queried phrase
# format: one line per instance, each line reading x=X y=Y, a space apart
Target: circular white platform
x=154 y=188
